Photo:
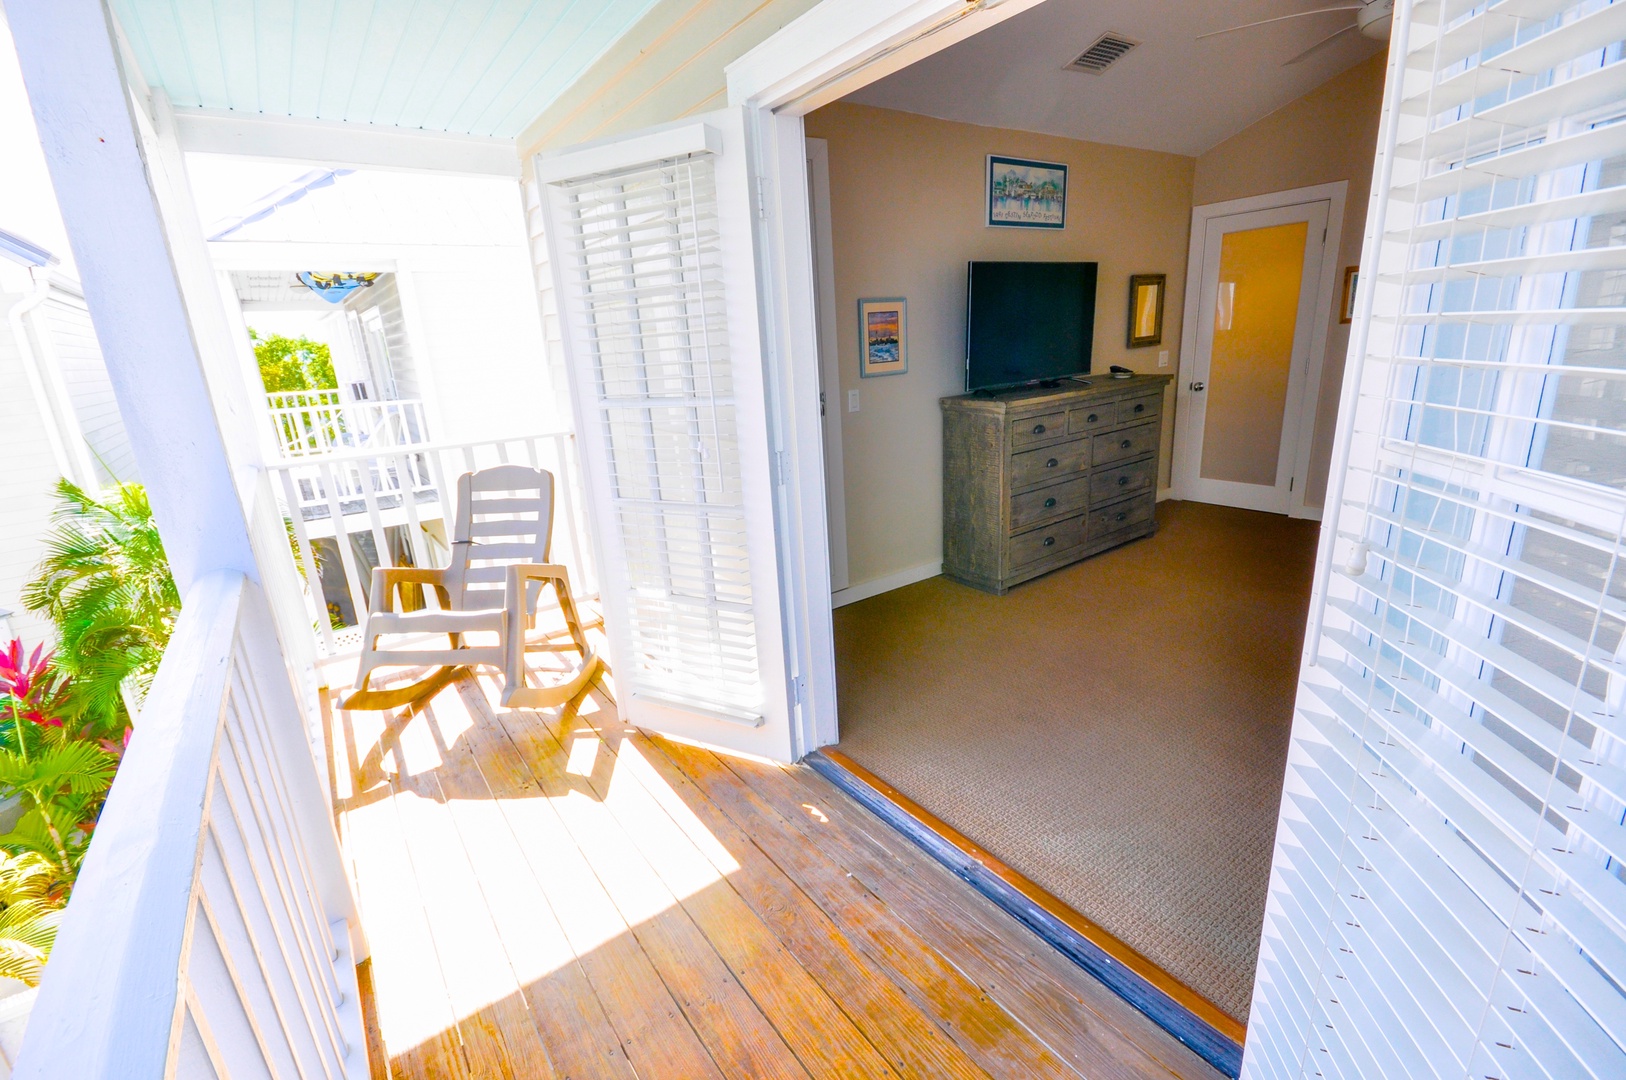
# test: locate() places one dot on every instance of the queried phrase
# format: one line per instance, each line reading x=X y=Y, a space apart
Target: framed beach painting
x=1025 y=194
x=883 y=337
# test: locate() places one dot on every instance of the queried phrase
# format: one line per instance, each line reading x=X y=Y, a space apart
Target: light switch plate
x=1163 y=358
x=852 y=401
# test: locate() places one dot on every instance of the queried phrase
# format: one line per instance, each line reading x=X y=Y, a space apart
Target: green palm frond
x=105 y=585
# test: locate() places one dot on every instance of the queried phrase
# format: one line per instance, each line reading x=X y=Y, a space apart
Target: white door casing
x=1321 y=207
x=651 y=247
x=833 y=403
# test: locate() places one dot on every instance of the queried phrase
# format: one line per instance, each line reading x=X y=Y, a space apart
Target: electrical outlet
x=1163 y=358
x=852 y=401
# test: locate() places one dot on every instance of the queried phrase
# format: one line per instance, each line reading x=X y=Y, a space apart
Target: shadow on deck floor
x=553 y=894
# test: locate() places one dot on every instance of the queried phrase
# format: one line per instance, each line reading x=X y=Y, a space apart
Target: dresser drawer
x=1126 y=443
x=1139 y=408
x=1062 y=461
x=1038 y=429
x=1049 y=502
x=1043 y=543
x=1123 y=515
x=1092 y=417
x=1120 y=480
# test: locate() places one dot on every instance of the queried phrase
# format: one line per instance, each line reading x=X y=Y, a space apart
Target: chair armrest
x=522 y=574
x=518 y=572
x=387 y=579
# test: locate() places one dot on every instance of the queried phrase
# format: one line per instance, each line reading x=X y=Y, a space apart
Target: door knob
x=1198 y=387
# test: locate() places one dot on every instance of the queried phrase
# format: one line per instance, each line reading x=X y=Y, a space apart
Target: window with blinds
x=643 y=266
x=1448 y=896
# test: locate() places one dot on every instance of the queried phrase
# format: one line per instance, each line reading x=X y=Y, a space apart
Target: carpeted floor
x=1117 y=730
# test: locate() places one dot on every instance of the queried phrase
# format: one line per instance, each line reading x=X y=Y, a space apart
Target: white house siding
x=70 y=341
x=386 y=297
x=25 y=482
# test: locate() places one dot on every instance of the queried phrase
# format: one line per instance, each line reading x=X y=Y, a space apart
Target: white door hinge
x=799 y=688
x=762 y=199
x=779 y=468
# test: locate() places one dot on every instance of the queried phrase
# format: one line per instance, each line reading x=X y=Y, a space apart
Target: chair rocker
x=499 y=569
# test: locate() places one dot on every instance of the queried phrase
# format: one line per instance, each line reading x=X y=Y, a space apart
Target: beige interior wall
x=1327 y=135
x=907 y=213
x=668 y=66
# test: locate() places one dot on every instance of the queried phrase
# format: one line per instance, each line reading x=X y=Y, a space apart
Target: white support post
x=71 y=67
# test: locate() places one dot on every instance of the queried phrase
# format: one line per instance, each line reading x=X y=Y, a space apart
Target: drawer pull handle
x=1123 y=481
x=1141 y=407
x=1048 y=503
x=1051 y=464
x=1126 y=444
x=1038 y=429
x=1049 y=541
x=1123 y=515
x=1093 y=418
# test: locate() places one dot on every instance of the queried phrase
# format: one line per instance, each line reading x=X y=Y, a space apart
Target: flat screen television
x=1028 y=322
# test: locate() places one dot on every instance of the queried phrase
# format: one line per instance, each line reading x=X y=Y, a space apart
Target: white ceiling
x=1171 y=93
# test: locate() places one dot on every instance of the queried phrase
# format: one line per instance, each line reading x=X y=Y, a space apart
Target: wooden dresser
x=1035 y=479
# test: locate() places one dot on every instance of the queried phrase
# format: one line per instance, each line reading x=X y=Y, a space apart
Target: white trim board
x=876 y=586
x=338 y=142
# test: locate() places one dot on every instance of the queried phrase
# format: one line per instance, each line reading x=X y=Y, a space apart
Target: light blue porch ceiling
x=471 y=67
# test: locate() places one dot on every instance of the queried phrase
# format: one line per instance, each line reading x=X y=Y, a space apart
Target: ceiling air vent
x=1100 y=56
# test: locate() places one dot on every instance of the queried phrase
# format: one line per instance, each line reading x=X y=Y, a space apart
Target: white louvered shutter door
x=651 y=247
x=1448 y=897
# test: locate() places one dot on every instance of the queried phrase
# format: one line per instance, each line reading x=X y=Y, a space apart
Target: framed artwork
x=1146 y=309
x=1346 y=309
x=883 y=337
x=1026 y=194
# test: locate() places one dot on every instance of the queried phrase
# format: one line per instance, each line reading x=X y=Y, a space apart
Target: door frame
x=833 y=49
x=830 y=398
x=1187 y=446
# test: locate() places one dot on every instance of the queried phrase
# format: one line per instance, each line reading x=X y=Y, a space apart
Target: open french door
x=651 y=245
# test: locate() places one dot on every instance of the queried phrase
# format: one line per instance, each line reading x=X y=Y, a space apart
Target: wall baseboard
x=876 y=586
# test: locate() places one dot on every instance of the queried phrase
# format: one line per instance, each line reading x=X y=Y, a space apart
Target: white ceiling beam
x=296 y=255
x=338 y=143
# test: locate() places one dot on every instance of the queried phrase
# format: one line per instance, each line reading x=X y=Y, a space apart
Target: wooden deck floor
x=553 y=895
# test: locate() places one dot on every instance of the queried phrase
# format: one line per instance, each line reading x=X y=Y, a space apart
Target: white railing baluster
x=335 y=509
x=209 y=932
x=289 y=963
x=307 y=556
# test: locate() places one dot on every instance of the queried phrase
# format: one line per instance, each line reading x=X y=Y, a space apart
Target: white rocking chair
x=499 y=567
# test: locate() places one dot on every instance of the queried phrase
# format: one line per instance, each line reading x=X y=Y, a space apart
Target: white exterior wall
x=25 y=483
x=69 y=343
x=485 y=351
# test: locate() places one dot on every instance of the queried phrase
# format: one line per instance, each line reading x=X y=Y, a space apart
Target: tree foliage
x=105 y=585
x=294 y=363
x=55 y=775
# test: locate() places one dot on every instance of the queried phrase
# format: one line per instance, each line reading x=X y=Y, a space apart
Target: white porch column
x=72 y=69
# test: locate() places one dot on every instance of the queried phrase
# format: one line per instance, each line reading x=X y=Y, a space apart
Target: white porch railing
x=310 y=422
x=366 y=492
x=209 y=933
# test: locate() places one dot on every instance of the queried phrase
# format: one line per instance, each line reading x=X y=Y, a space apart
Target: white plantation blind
x=646 y=289
x=1448 y=895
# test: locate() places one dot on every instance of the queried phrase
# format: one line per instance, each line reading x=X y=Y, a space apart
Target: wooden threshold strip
x=1174 y=1006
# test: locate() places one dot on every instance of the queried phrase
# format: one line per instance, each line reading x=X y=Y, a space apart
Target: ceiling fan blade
x=1281 y=18
x=1318 y=46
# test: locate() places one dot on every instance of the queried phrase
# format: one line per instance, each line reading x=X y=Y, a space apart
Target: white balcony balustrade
x=209 y=933
x=312 y=422
x=396 y=503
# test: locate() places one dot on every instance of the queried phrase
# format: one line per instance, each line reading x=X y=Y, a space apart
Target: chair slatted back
x=504 y=516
